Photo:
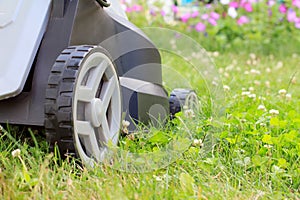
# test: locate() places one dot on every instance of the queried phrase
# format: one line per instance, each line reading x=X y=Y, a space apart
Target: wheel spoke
x=92 y=146
x=98 y=75
x=105 y=131
x=107 y=94
x=85 y=94
x=83 y=128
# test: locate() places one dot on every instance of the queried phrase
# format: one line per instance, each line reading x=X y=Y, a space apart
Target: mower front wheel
x=83 y=103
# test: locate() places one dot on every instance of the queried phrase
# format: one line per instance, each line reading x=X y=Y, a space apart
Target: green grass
x=247 y=153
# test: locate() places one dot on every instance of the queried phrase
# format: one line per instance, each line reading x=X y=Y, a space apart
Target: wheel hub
x=96 y=112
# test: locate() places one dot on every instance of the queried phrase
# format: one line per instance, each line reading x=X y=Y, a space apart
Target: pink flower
x=242 y=20
x=214 y=15
x=248 y=7
x=234 y=4
x=282 y=8
x=296 y=3
x=212 y=21
x=163 y=13
x=297 y=20
x=204 y=16
x=297 y=25
x=184 y=18
x=271 y=3
x=137 y=8
x=200 y=27
x=174 y=9
x=291 y=15
x=195 y=14
x=128 y=9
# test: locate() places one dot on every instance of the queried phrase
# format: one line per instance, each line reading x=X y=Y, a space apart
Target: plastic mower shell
x=78 y=69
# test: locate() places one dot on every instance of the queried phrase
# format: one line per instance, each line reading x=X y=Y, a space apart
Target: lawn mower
x=66 y=67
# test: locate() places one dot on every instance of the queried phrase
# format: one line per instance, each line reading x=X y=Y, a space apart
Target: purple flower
x=270 y=12
x=242 y=20
x=152 y=12
x=200 y=27
x=282 y=8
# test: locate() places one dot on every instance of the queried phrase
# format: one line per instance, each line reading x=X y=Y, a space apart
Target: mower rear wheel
x=182 y=98
x=83 y=103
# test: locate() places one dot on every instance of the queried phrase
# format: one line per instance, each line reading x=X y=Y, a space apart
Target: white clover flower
x=125 y=124
x=226 y=75
x=268 y=146
x=248 y=62
x=252 y=96
x=274 y=112
x=279 y=65
x=262 y=98
x=295 y=55
x=197 y=143
x=261 y=107
x=288 y=96
x=216 y=54
x=16 y=153
x=226 y=88
x=238 y=69
x=173 y=42
x=268 y=70
x=229 y=68
x=251 y=89
x=256 y=82
x=189 y=113
x=246 y=72
x=157 y=178
x=282 y=92
x=246 y=93
x=268 y=84
x=215 y=83
x=255 y=71
x=254 y=62
x=252 y=56
x=262 y=124
x=271 y=57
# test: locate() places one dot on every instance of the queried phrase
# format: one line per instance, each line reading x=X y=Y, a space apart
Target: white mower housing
x=22 y=25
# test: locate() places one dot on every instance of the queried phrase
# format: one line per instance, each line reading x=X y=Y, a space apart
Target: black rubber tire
x=58 y=105
x=178 y=98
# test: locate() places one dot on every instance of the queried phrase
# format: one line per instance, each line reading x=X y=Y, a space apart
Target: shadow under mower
x=77 y=68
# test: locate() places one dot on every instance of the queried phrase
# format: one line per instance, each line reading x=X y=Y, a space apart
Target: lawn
x=243 y=141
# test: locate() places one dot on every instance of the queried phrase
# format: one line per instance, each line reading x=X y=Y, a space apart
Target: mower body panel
x=22 y=26
x=84 y=22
